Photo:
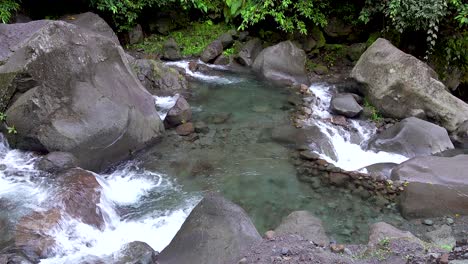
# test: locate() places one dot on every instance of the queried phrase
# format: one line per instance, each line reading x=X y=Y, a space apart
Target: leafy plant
x=375 y=115
x=11 y=129
x=7 y=9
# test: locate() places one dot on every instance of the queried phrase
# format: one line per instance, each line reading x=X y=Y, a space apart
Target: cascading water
x=149 y=200
x=350 y=154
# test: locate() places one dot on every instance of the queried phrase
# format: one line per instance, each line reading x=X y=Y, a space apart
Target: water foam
x=204 y=77
x=349 y=156
x=164 y=104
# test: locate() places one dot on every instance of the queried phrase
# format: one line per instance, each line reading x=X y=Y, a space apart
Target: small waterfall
x=185 y=65
x=350 y=154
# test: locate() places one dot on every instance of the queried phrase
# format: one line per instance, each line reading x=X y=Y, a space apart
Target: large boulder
x=306 y=225
x=136 y=252
x=94 y=23
x=158 y=78
x=249 y=52
x=437 y=186
x=345 y=104
x=171 y=50
x=74 y=92
x=399 y=85
x=57 y=162
x=412 y=137
x=283 y=62
x=216 y=231
x=179 y=114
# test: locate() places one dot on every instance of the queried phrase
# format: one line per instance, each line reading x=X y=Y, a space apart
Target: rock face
x=401 y=86
x=217 y=231
x=213 y=50
x=94 y=23
x=250 y=51
x=57 y=161
x=437 y=186
x=158 y=78
x=283 y=62
x=86 y=101
x=412 y=137
x=304 y=224
x=345 y=104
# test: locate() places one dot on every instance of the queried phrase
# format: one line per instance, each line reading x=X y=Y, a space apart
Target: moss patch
x=192 y=39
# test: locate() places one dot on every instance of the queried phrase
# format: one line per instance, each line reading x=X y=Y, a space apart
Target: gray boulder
x=226 y=40
x=283 y=62
x=213 y=50
x=412 y=137
x=383 y=233
x=345 y=104
x=135 y=35
x=136 y=252
x=437 y=186
x=87 y=101
x=158 y=78
x=216 y=231
x=306 y=225
x=399 y=85
x=57 y=162
x=171 y=50
x=94 y=23
x=384 y=169
x=179 y=114
x=250 y=51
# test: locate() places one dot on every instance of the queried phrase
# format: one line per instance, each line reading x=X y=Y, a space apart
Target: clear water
x=148 y=199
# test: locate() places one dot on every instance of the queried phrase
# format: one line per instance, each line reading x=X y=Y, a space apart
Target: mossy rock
x=320 y=69
x=317 y=34
x=372 y=38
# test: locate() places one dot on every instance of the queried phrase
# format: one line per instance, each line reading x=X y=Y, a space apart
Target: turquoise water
x=238 y=158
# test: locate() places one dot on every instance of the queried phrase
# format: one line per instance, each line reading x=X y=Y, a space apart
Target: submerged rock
x=216 y=231
x=412 y=137
x=283 y=62
x=158 y=78
x=185 y=129
x=437 y=186
x=399 y=85
x=87 y=101
x=306 y=225
x=345 y=104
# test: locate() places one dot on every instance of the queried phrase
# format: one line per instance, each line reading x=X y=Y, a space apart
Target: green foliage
x=375 y=115
x=10 y=129
x=192 y=40
x=7 y=9
x=235 y=49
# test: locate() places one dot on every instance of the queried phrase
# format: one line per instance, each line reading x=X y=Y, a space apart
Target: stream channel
x=243 y=152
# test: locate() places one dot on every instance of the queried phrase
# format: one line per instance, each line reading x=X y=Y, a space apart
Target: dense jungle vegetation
x=434 y=30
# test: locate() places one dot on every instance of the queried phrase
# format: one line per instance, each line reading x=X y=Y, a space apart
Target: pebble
x=285 y=251
x=347 y=251
x=444 y=259
x=450 y=221
x=242 y=261
x=269 y=234
x=337 y=248
x=428 y=222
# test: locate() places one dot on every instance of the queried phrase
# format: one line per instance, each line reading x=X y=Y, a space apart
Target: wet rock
x=428 y=222
x=222 y=60
x=212 y=51
x=307 y=155
x=304 y=224
x=80 y=194
x=338 y=179
x=412 y=137
x=345 y=104
x=14 y=259
x=399 y=86
x=384 y=168
x=436 y=186
x=158 y=78
x=201 y=127
x=249 y=52
x=442 y=236
x=179 y=114
x=32 y=233
x=450 y=221
x=185 y=129
x=321 y=70
x=283 y=62
x=55 y=162
x=93 y=22
x=88 y=81
x=193 y=66
x=136 y=252
x=171 y=50
x=339 y=121
x=216 y=231
x=135 y=35
x=288 y=135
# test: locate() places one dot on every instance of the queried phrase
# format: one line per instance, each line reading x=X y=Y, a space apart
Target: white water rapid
x=350 y=154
